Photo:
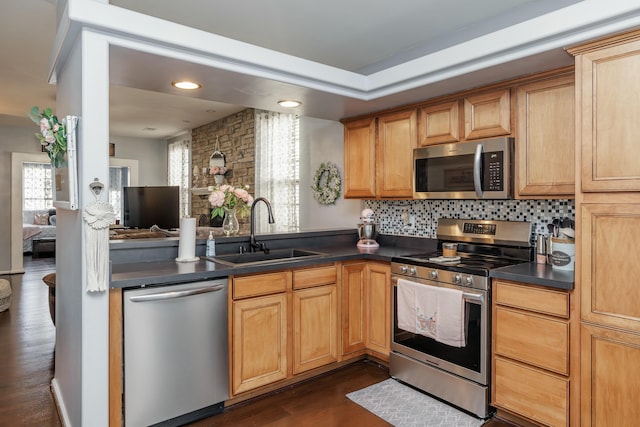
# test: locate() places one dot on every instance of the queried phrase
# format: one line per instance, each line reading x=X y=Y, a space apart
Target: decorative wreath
x=326 y=184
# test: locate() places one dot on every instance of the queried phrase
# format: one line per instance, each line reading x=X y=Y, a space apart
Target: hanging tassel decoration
x=98 y=215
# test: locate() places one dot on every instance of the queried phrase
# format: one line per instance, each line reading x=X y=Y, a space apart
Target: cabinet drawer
x=532 y=393
x=261 y=284
x=315 y=276
x=537 y=340
x=555 y=303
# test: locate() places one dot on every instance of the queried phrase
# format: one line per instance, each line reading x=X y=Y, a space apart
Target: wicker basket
x=50 y=281
x=5 y=295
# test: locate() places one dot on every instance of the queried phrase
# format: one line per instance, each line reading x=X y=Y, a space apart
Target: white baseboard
x=62 y=410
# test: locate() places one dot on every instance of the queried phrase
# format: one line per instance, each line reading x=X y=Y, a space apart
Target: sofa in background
x=37 y=224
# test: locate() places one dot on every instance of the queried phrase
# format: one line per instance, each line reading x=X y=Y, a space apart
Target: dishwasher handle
x=175 y=294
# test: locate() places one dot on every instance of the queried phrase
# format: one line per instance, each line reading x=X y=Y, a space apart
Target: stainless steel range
x=458 y=373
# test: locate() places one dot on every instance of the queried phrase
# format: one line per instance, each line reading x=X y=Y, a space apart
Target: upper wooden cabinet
x=439 y=124
x=380 y=164
x=487 y=114
x=545 y=147
x=397 y=137
x=360 y=159
x=481 y=115
x=608 y=93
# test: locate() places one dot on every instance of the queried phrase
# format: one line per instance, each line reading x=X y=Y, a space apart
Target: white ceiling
x=362 y=37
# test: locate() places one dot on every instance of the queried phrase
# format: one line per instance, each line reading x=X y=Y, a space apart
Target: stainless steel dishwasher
x=176 y=366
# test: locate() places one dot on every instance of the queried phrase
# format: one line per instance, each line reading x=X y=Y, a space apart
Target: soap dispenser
x=211 y=245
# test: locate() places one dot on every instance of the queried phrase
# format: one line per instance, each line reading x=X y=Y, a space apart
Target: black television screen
x=144 y=207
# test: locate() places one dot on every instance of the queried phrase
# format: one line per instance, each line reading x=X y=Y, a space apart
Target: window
x=118 y=178
x=37 y=189
x=278 y=169
x=178 y=173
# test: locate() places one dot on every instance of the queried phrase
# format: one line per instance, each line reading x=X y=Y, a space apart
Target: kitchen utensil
x=567 y=232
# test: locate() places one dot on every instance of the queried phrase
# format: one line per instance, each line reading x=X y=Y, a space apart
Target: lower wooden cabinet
x=259 y=343
x=531 y=343
x=283 y=323
x=366 y=309
x=610 y=372
x=353 y=328
x=378 y=308
x=532 y=393
x=315 y=327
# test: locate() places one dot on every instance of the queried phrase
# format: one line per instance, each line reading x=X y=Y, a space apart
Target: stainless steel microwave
x=480 y=169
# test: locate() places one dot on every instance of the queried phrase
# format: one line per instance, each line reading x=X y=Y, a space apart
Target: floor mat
x=403 y=406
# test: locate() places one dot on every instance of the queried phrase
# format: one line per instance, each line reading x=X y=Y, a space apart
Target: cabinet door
x=531 y=392
x=545 y=148
x=609 y=265
x=438 y=124
x=259 y=342
x=397 y=137
x=609 y=119
x=353 y=330
x=360 y=159
x=610 y=371
x=315 y=327
x=487 y=114
x=378 y=308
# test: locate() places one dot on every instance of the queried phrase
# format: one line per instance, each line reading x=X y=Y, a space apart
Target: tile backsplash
x=420 y=217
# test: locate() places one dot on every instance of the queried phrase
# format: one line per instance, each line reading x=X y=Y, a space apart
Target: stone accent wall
x=236 y=137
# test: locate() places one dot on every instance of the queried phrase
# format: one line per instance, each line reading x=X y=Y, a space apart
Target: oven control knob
x=412 y=271
x=469 y=280
x=433 y=274
x=457 y=278
x=403 y=269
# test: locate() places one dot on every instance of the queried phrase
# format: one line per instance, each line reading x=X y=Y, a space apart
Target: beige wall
x=12 y=139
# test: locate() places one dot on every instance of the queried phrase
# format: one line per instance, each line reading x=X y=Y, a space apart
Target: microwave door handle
x=477 y=163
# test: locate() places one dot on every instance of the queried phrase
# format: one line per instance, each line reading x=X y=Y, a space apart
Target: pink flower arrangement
x=218 y=170
x=230 y=197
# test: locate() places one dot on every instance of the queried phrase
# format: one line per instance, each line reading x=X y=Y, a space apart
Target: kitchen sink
x=257 y=258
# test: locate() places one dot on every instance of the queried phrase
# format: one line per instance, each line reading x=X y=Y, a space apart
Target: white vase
x=219 y=179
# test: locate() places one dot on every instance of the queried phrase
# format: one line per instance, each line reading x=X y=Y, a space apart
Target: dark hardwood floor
x=27 y=339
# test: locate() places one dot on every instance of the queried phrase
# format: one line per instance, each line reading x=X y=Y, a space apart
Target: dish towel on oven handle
x=406 y=305
x=431 y=311
x=450 y=317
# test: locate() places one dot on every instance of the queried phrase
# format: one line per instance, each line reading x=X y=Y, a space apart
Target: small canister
x=541 y=249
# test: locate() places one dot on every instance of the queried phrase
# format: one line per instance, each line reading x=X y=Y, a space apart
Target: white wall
x=81 y=379
x=151 y=154
x=322 y=141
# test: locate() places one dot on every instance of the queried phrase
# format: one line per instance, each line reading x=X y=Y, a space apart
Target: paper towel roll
x=187 y=245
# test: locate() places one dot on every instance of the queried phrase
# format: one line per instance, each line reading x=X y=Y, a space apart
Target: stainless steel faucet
x=253 y=245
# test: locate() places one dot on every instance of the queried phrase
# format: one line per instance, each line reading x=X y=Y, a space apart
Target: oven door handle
x=479 y=298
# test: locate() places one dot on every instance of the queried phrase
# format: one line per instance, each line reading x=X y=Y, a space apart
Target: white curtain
x=277 y=170
x=178 y=173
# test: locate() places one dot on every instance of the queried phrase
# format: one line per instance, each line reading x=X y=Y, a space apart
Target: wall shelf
x=201 y=191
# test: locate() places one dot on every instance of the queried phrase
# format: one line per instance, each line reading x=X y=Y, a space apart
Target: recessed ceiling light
x=185 y=84
x=288 y=103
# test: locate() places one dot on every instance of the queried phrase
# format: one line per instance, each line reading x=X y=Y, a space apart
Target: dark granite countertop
x=125 y=275
x=129 y=269
x=536 y=274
